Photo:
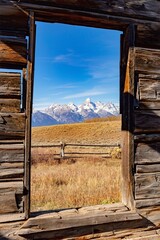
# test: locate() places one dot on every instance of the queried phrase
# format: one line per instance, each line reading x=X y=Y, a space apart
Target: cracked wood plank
x=147 y=185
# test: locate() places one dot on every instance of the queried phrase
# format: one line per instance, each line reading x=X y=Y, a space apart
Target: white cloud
x=41 y=106
x=65 y=86
x=89 y=93
x=104 y=70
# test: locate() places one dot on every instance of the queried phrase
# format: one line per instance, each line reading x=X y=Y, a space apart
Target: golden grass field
x=74 y=182
x=107 y=132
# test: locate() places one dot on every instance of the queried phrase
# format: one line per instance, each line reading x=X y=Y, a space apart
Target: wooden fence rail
x=80 y=154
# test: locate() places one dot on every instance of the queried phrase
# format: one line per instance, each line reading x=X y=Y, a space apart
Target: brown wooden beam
x=138 y=9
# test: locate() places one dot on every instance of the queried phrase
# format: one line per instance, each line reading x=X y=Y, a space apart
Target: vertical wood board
x=29 y=102
x=127 y=125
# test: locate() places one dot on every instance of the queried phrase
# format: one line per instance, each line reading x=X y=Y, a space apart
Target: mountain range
x=71 y=113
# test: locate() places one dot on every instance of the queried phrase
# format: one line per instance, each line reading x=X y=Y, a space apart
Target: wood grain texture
x=11 y=173
x=138 y=9
x=10 y=84
x=15 y=186
x=147 y=185
x=147 y=60
x=14 y=21
x=11 y=153
x=10 y=105
x=147 y=35
x=151 y=168
x=8 y=203
x=147 y=202
x=12 y=125
x=13 y=53
x=147 y=153
x=147 y=121
x=147 y=138
x=149 y=92
x=127 y=128
x=39 y=228
x=152 y=213
x=149 y=89
x=29 y=105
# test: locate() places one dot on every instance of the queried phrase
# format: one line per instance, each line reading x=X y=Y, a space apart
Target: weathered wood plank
x=149 y=104
x=16 y=186
x=147 y=185
x=108 y=208
x=8 y=203
x=7 y=165
x=147 y=203
x=11 y=153
x=127 y=128
x=149 y=89
x=151 y=168
x=147 y=60
x=147 y=138
x=13 y=217
x=99 y=232
x=147 y=35
x=149 y=92
x=137 y=9
x=147 y=153
x=13 y=53
x=152 y=213
x=11 y=173
x=149 y=76
x=10 y=84
x=10 y=105
x=12 y=125
x=147 y=121
x=39 y=227
x=29 y=105
x=14 y=21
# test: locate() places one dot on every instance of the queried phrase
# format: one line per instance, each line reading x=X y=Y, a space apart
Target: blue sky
x=74 y=63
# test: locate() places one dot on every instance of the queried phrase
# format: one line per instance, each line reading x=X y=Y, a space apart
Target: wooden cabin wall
x=13 y=56
x=147 y=127
x=145 y=17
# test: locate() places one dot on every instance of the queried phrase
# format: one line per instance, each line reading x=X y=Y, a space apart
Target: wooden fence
x=76 y=150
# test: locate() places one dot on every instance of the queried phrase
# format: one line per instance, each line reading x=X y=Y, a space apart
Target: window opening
x=75 y=116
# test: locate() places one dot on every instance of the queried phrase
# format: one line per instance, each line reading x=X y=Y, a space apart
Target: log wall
x=13 y=55
x=147 y=122
x=139 y=86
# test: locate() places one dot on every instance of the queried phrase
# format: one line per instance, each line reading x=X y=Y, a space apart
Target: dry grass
x=91 y=133
x=88 y=181
x=104 y=119
x=75 y=183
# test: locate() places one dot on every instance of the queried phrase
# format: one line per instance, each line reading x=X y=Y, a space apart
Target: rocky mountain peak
x=71 y=113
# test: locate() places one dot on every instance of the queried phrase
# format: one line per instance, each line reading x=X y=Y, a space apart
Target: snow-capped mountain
x=42 y=119
x=71 y=113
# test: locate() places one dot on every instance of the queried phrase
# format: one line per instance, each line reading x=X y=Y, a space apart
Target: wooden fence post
x=62 y=149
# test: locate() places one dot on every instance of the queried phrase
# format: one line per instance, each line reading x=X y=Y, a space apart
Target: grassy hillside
x=90 y=132
x=75 y=182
